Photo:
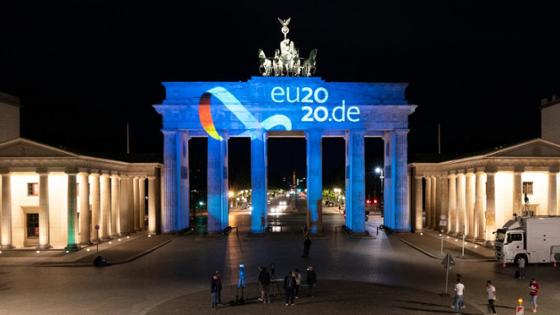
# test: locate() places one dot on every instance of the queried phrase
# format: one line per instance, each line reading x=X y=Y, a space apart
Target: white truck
x=535 y=239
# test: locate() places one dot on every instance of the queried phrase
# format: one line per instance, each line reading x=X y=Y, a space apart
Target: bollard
x=519 y=308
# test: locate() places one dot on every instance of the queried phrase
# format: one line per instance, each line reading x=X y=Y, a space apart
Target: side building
x=54 y=198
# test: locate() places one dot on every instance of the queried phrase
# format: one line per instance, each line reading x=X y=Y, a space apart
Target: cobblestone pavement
x=182 y=269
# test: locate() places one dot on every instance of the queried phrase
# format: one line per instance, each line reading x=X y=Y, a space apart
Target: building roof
x=22 y=154
x=10 y=99
x=534 y=148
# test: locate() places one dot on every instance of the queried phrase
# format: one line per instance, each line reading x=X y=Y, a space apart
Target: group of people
x=459 y=300
x=292 y=283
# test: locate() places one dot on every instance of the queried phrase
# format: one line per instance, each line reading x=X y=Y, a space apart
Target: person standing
x=306 y=246
x=214 y=290
x=264 y=281
x=521 y=268
x=459 y=296
x=491 y=292
x=241 y=283
x=534 y=289
x=219 y=292
x=311 y=279
x=297 y=275
x=289 y=286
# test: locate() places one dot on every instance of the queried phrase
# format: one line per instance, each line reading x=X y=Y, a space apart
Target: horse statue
x=277 y=64
x=265 y=64
x=309 y=65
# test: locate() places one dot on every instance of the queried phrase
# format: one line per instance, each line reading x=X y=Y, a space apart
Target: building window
x=528 y=188
x=33 y=189
x=32 y=225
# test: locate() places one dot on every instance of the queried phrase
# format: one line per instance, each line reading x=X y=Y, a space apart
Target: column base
x=44 y=246
x=9 y=246
x=71 y=248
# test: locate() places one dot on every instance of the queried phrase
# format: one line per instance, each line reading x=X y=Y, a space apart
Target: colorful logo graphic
x=250 y=122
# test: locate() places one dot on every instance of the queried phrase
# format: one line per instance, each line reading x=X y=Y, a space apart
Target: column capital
x=115 y=176
x=167 y=132
x=151 y=177
x=553 y=169
x=490 y=170
x=71 y=171
x=518 y=168
x=42 y=171
x=4 y=171
x=401 y=131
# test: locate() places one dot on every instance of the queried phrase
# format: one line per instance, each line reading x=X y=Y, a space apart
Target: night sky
x=83 y=69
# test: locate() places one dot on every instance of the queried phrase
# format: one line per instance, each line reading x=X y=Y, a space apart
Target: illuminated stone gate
x=285 y=99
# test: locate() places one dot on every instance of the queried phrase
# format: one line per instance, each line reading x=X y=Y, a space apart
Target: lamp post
x=379 y=170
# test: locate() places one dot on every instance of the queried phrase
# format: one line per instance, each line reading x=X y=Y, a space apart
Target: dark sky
x=83 y=69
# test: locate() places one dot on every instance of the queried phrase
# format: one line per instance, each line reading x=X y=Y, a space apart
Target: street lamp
x=379 y=170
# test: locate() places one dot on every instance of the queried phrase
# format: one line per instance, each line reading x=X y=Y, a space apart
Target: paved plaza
x=372 y=275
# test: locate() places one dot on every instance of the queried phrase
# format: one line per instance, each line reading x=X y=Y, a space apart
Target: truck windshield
x=500 y=235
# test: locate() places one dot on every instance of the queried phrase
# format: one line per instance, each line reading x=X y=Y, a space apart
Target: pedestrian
x=521 y=268
x=272 y=271
x=214 y=291
x=297 y=275
x=217 y=273
x=311 y=280
x=289 y=287
x=306 y=246
x=241 y=283
x=458 y=301
x=264 y=282
x=534 y=289
x=491 y=291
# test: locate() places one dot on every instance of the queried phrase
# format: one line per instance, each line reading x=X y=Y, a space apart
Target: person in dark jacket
x=214 y=284
x=306 y=246
x=311 y=280
x=264 y=282
x=289 y=288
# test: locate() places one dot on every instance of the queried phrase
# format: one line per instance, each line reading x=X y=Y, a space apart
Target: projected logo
x=250 y=122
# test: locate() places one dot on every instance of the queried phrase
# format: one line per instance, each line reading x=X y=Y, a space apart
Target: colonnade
x=113 y=201
x=175 y=210
x=464 y=200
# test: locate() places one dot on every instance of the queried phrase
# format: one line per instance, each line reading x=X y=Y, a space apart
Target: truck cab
x=511 y=245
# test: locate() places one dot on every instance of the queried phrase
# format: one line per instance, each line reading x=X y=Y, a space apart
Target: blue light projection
x=308 y=105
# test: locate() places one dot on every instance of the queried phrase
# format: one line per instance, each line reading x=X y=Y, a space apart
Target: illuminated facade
x=478 y=194
x=55 y=198
x=266 y=107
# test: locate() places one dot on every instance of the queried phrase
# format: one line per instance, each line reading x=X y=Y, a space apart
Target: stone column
x=72 y=205
x=355 y=182
x=429 y=223
x=183 y=219
x=517 y=190
x=85 y=225
x=418 y=203
x=490 y=204
x=124 y=205
x=259 y=182
x=105 y=225
x=315 y=178
x=470 y=188
x=136 y=203
x=461 y=204
x=397 y=214
x=444 y=195
x=169 y=202
x=44 y=241
x=6 y=220
x=142 y=203
x=217 y=184
x=115 y=207
x=130 y=218
x=480 y=205
x=552 y=192
x=95 y=205
x=152 y=229
x=435 y=206
x=452 y=220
